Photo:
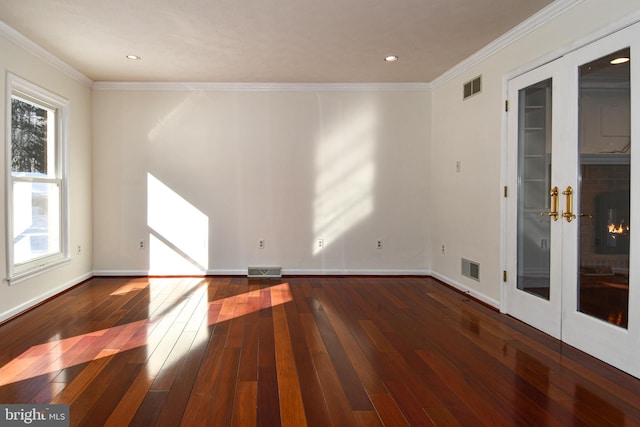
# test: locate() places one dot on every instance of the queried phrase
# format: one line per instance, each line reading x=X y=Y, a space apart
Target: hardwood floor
x=319 y=351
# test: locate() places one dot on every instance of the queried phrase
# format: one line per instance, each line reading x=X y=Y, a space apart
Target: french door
x=570 y=248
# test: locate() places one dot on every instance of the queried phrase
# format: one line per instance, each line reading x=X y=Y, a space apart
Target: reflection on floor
x=536 y=285
x=605 y=295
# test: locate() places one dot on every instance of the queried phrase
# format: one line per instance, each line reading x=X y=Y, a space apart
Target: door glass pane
x=605 y=152
x=534 y=169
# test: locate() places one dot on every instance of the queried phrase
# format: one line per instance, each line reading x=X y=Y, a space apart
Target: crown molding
x=32 y=47
x=537 y=20
x=260 y=87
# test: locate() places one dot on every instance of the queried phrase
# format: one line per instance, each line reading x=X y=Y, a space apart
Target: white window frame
x=17 y=86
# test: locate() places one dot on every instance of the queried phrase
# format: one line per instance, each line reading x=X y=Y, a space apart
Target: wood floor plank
x=197 y=408
x=336 y=400
x=367 y=419
x=224 y=387
x=377 y=337
x=47 y=393
x=173 y=363
x=115 y=386
x=130 y=401
x=291 y=405
x=147 y=413
x=349 y=378
x=247 y=371
x=309 y=375
x=268 y=410
x=325 y=351
x=171 y=413
x=388 y=411
x=244 y=407
x=73 y=390
x=410 y=407
x=107 y=380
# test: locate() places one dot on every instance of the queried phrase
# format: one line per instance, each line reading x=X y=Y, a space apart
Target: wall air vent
x=470 y=269
x=472 y=87
x=254 y=272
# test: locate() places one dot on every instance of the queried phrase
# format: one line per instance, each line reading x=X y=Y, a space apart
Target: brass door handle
x=554 y=204
x=568 y=213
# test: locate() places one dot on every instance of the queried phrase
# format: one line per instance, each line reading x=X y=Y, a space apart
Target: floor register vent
x=264 y=272
x=471 y=269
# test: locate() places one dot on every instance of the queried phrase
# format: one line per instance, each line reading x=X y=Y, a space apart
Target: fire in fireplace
x=612 y=222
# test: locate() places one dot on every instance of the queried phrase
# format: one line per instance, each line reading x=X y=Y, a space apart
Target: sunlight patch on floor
x=58 y=354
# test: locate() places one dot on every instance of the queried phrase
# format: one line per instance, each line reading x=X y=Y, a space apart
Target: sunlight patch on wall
x=178 y=243
x=345 y=177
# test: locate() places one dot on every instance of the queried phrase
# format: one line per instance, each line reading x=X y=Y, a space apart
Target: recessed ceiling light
x=620 y=60
x=391 y=58
x=133 y=57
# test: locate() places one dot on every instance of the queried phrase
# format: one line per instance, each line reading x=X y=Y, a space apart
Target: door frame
x=626 y=357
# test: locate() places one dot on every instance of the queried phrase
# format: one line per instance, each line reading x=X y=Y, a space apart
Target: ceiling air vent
x=470 y=269
x=472 y=87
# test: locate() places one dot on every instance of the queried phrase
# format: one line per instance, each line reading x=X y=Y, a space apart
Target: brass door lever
x=568 y=213
x=554 y=204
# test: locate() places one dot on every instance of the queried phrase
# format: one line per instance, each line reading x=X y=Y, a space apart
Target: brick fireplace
x=605 y=189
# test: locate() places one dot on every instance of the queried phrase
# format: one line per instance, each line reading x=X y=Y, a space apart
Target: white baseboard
x=367 y=272
x=144 y=273
x=475 y=294
x=285 y=272
x=43 y=297
x=124 y=273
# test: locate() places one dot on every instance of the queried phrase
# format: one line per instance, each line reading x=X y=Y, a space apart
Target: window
x=36 y=180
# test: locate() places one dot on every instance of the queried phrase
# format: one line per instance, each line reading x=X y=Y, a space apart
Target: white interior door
x=600 y=281
x=572 y=130
x=533 y=219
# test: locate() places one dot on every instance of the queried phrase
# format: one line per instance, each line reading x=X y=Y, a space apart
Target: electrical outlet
x=379 y=244
x=79 y=250
x=320 y=243
x=141 y=244
x=261 y=244
x=443 y=249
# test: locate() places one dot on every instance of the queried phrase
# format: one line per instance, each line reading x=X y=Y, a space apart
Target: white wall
x=202 y=175
x=20 y=296
x=466 y=206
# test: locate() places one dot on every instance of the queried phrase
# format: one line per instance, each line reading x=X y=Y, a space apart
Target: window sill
x=36 y=271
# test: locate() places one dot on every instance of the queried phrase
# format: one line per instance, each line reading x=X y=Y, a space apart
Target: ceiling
x=278 y=41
